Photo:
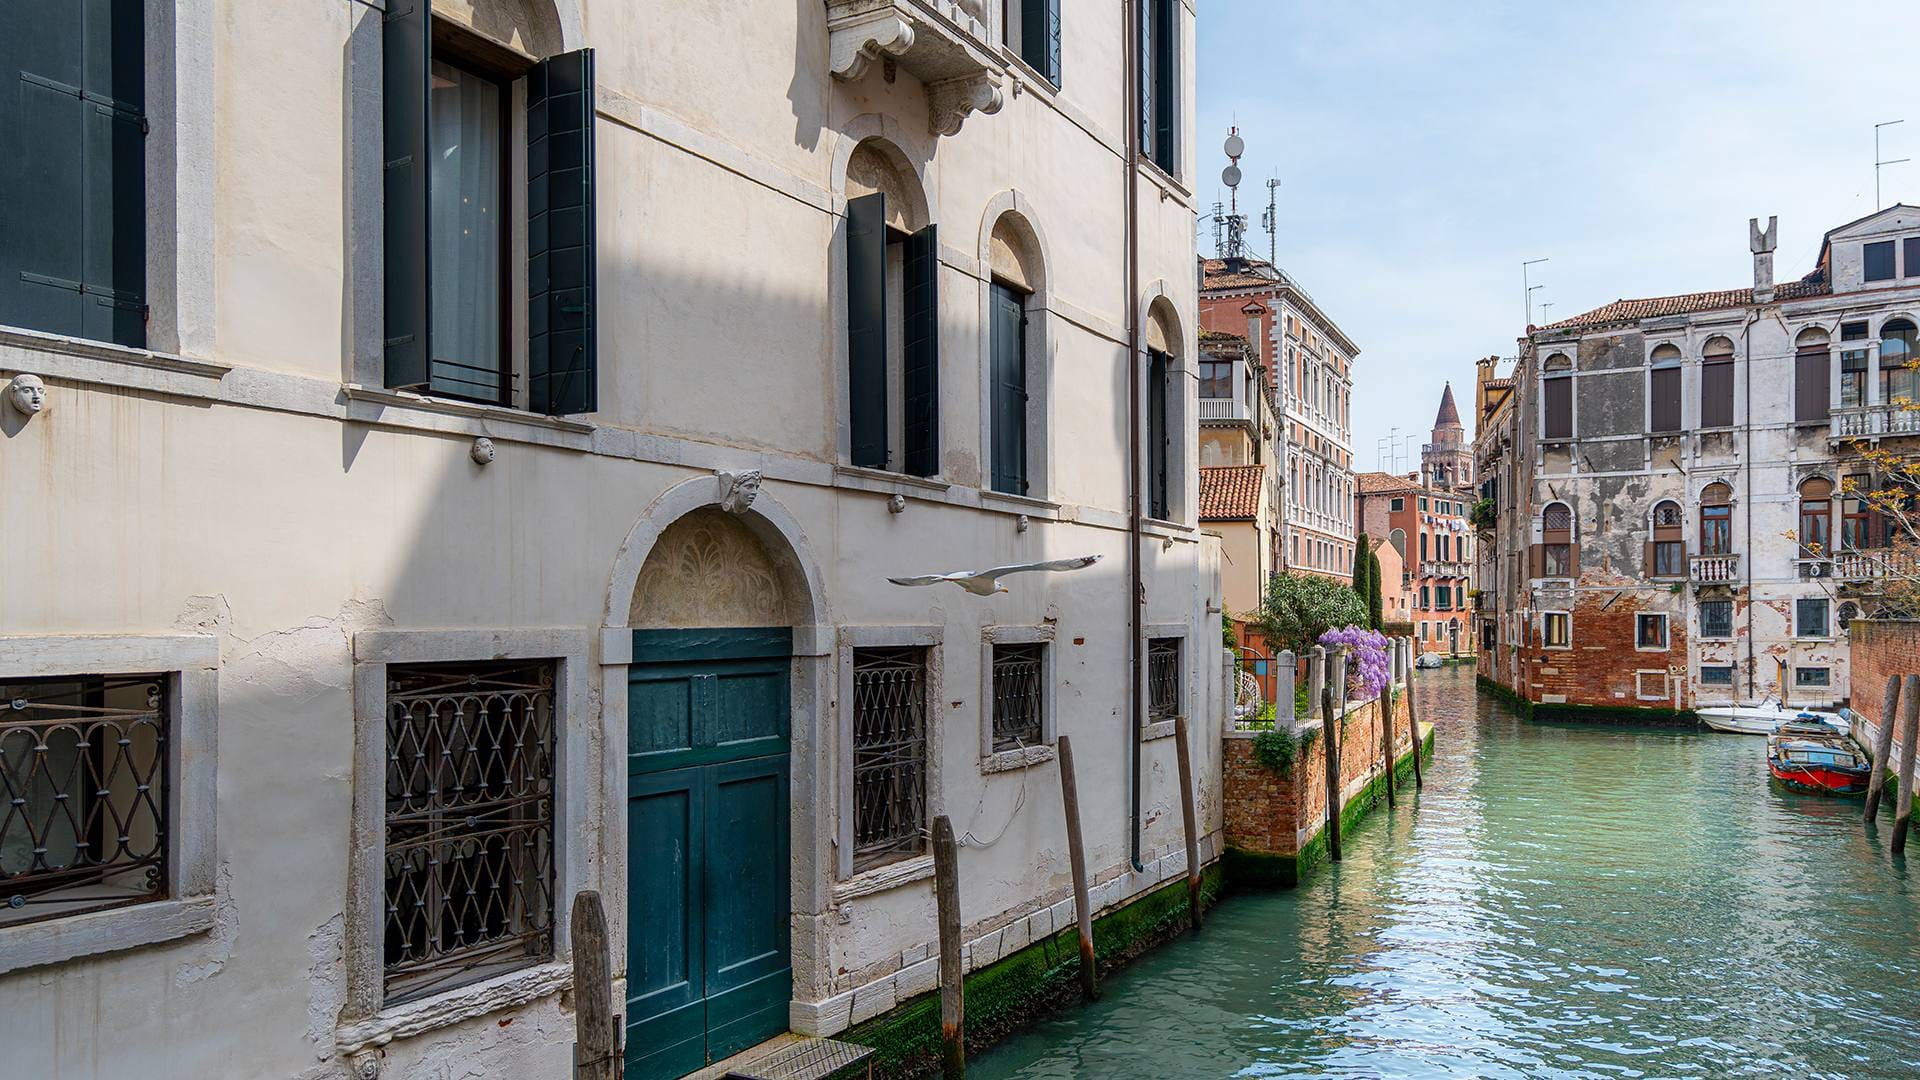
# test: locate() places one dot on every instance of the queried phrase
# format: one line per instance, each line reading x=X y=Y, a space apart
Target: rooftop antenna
x=1877 y=162
x=1544 y=305
x=1219 y=221
x=1527 y=281
x=1270 y=221
x=1236 y=225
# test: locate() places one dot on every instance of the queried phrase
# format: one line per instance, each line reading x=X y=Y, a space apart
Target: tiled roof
x=1654 y=307
x=1374 y=483
x=1217 y=276
x=1230 y=492
x=1221 y=337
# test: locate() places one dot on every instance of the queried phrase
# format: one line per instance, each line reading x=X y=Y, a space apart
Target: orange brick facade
x=1604 y=664
x=1270 y=814
x=1880 y=647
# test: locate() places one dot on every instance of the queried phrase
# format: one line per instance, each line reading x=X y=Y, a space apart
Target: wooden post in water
x=1384 y=705
x=1077 y=856
x=596 y=1043
x=1329 y=736
x=1883 y=747
x=1413 y=719
x=1909 y=735
x=953 y=1006
x=1183 y=754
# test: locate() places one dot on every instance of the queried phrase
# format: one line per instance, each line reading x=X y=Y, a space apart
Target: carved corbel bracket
x=950 y=101
x=856 y=44
x=737 y=489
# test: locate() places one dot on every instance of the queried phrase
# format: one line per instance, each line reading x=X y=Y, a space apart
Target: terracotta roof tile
x=1374 y=483
x=1654 y=307
x=1230 y=492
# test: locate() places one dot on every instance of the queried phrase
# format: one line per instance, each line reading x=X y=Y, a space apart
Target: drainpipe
x=1136 y=591
x=1746 y=444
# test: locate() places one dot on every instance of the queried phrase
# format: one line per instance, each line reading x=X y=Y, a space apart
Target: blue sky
x=1425 y=150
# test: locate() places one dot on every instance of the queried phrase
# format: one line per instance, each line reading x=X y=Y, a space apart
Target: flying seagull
x=986 y=582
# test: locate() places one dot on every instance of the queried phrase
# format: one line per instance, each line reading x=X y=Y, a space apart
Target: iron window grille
x=1811 y=677
x=1810 y=618
x=84 y=776
x=1716 y=675
x=1018 y=705
x=889 y=755
x=1163 y=679
x=1716 y=619
x=469 y=823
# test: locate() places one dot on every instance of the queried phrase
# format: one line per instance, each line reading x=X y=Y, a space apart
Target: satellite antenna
x=1236 y=225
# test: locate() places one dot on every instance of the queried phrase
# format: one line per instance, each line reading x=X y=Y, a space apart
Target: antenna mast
x=1234 y=222
x=1270 y=221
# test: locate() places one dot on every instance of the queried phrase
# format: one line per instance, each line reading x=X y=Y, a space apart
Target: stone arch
x=1161 y=330
x=1013 y=251
x=882 y=136
x=789 y=557
x=1812 y=337
x=1010 y=229
x=539 y=28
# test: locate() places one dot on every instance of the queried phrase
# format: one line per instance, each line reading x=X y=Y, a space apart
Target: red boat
x=1813 y=757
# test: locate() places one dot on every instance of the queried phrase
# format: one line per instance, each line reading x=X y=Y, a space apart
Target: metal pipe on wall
x=1136 y=593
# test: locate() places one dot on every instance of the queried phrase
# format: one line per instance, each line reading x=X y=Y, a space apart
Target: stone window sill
x=1012 y=760
x=507 y=991
x=56 y=940
x=402 y=408
x=883 y=878
x=1159 y=729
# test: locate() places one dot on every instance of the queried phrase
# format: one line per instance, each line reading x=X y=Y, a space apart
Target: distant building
x=1310 y=369
x=1426 y=529
x=1670 y=477
x=1240 y=488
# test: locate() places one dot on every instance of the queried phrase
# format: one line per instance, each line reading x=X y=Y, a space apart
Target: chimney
x=1763 y=243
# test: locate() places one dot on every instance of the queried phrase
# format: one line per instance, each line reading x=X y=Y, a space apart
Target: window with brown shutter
x=1810 y=385
x=1716 y=393
x=1663 y=390
x=1557 y=408
x=1558 y=553
x=1667 y=545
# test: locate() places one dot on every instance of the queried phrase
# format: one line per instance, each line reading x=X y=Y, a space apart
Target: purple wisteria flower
x=1368 y=669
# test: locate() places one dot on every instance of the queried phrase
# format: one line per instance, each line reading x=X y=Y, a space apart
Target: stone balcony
x=949 y=45
x=1874 y=421
x=1713 y=569
x=1874 y=565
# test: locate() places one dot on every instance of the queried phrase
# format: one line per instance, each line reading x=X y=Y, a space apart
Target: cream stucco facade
x=245 y=508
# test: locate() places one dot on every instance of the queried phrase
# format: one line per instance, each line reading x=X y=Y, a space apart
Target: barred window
x=84 y=776
x=1716 y=675
x=1018 y=701
x=1812 y=677
x=1163 y=679
x=1716 y=619
x=889 y=755
x=469 y=836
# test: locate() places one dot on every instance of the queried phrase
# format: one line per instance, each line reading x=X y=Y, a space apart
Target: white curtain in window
x=465 y=233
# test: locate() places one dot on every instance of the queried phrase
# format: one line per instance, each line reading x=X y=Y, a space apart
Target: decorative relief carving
x=950 y=101
x=708 y=569
x=856 y=45
x=737 y=490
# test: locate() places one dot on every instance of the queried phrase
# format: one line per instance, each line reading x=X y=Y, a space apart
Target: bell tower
x=1446 y=463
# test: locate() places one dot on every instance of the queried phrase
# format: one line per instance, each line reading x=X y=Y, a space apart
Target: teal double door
x=709 y=971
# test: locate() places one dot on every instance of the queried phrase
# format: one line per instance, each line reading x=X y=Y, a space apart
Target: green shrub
x=1276 y=749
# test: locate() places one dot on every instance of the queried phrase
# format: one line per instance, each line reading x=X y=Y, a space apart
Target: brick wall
x=1880 y=647
x=1270 y=814
x=1603 y=664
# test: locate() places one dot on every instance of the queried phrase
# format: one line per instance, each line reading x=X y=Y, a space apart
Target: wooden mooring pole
x=1077 y=856
x=953 y=1005
x=596 y=1042
x=1329 y=738
x=1385 y=708
x=1909 y=735
x=1189 y=817
x=1413 y=716
x=1883 y=747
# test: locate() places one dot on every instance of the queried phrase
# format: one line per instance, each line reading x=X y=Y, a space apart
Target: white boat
x=1761 y=719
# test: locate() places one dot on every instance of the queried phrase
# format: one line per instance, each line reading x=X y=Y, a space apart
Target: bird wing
x=1053 y=564
x=923 y=579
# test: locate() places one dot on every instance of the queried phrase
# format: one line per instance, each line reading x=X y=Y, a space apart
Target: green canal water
x=1560 y=901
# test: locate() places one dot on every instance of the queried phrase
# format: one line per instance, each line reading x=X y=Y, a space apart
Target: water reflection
x=1560 y=901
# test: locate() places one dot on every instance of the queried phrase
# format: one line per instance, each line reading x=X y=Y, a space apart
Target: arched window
x=1666 y=541
x=1816 y=518
x=1663 y=389
x=1016 y=351
x=1716 y=520
x=1899 y=382
x=893 y=358
x=1162 y=409
x=1716 y=383
x=1556 y=403
x=1810 y=366
x=1558 y=554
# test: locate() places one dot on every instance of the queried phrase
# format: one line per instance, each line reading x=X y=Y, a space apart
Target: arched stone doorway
x=711 y=656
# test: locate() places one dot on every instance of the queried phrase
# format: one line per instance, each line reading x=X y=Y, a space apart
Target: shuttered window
x=1877 y=260
x=1557 y=408
x=1664 y=390
x=1009 y=390
x=870 y=395
x=73 y=219
x=1159 y=33
x=1810 y=385
x=1039 y=30
x=1716 y=393
x=1910 y=256
x=448 y=217
x=1158 y=432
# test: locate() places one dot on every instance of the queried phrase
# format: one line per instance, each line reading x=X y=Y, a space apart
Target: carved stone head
x=738 y=489
x=481 y=451
x=27 y=394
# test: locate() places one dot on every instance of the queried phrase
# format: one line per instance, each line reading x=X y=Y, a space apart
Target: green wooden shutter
x=1040 y=37
x=920 y=371
x=561 y=376
x=867 y=329
x=1144 y=32
x=73 y=183
x=406 y=68
x=1009 y=392
x=1157 y=434
x=1166 y=79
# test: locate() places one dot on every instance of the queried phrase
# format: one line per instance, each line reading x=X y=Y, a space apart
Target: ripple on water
x=1562 y=901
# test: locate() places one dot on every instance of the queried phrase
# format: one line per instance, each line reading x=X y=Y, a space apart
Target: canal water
x=1561 y=901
